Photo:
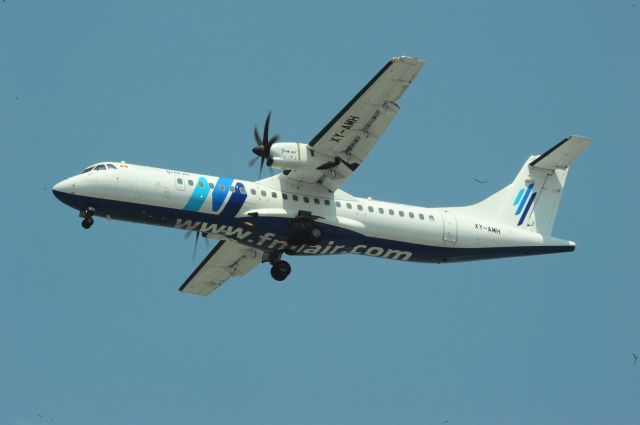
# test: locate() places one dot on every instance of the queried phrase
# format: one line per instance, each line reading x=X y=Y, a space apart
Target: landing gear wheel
x=280 y=270
x=315 y=234
x=87 y=222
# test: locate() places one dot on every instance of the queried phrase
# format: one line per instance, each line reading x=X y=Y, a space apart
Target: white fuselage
x=260 y=214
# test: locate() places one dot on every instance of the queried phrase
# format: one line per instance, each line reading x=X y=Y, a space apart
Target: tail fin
x=531 y=201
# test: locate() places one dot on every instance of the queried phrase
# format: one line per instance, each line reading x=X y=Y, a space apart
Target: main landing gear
x=280 y=269
x=87 y=214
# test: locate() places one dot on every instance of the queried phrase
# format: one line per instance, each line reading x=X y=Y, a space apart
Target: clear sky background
x=92 y=327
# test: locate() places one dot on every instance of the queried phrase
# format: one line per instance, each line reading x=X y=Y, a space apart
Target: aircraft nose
x=62 y=188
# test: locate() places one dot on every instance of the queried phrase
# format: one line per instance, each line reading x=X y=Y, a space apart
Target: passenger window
x=210 y=185
x=390 y=211
x=370 y=208
x=338 y=204
x=263 y=193
x=244 y=192
x=253 y=191
x=200 y=184
x=349 y=205
x=359 y=207
x=232 y=188
x=381 y=210
x=305 y=199
x=421 y=216
x=101 y=167
x=111 y=167
x=327 y=202
x=411 y=215
x=294 y=197
x=190 y=182
x=401 y=213
x=179 y=180
x=431 y=218
x=221 y=187
x=316 y=201
x=273 y=195
x=285 y=196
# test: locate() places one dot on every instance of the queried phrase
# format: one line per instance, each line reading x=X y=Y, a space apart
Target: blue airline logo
x=220 y=191
x=524 y=197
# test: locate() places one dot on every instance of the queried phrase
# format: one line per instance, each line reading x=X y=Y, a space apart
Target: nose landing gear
x=87 y=214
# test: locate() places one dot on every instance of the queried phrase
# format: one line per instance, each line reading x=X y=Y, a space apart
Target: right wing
x=226 y=259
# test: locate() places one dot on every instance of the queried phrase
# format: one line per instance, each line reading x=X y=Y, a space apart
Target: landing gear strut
x=87 y=214
x=280 y=269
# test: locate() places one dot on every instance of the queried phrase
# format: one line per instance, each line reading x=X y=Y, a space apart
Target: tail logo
x=524 y=197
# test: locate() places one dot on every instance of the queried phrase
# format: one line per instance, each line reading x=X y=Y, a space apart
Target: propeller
x=264 y=143
x=195 y=245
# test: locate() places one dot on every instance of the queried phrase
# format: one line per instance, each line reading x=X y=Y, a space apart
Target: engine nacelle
x=295 y=156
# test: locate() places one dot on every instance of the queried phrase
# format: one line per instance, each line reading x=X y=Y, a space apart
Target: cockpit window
x=101 y=167
x=111 y=167
x=86 y=170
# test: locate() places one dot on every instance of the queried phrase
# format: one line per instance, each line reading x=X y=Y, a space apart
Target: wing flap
x=227 y=259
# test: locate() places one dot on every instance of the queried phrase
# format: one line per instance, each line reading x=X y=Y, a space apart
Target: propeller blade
x=257 y=136
x=195 y=246
x=273 y=140
x=266 y=129
x=263 y=148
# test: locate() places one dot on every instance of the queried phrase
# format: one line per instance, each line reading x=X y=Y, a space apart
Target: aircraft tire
x=280 y=270
x=87 y=223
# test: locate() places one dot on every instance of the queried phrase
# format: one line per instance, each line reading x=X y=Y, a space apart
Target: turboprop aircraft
x=303 y=211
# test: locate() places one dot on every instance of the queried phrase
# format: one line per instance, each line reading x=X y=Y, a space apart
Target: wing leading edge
x=227 y=259
x=354 y=131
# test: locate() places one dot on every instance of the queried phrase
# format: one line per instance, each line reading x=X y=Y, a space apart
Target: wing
x=350 y=135
x=225 y=260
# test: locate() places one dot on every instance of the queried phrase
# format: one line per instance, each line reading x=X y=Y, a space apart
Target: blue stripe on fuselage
x=235 y=202
x=219 y=195
x=198 y=196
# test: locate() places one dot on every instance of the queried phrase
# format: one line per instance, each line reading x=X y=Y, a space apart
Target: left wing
x=226 y=259
x=353 y=132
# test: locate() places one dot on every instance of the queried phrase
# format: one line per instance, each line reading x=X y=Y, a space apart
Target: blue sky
x=92 y=327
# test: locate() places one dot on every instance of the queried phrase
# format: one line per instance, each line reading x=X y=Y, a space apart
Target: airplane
x=303 y=210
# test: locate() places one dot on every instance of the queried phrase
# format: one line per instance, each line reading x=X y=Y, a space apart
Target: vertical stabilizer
x=531 y=201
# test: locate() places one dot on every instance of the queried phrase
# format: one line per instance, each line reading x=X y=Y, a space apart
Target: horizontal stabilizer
x=562 y=155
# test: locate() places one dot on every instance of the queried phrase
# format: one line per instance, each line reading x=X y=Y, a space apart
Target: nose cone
x=62 y=190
